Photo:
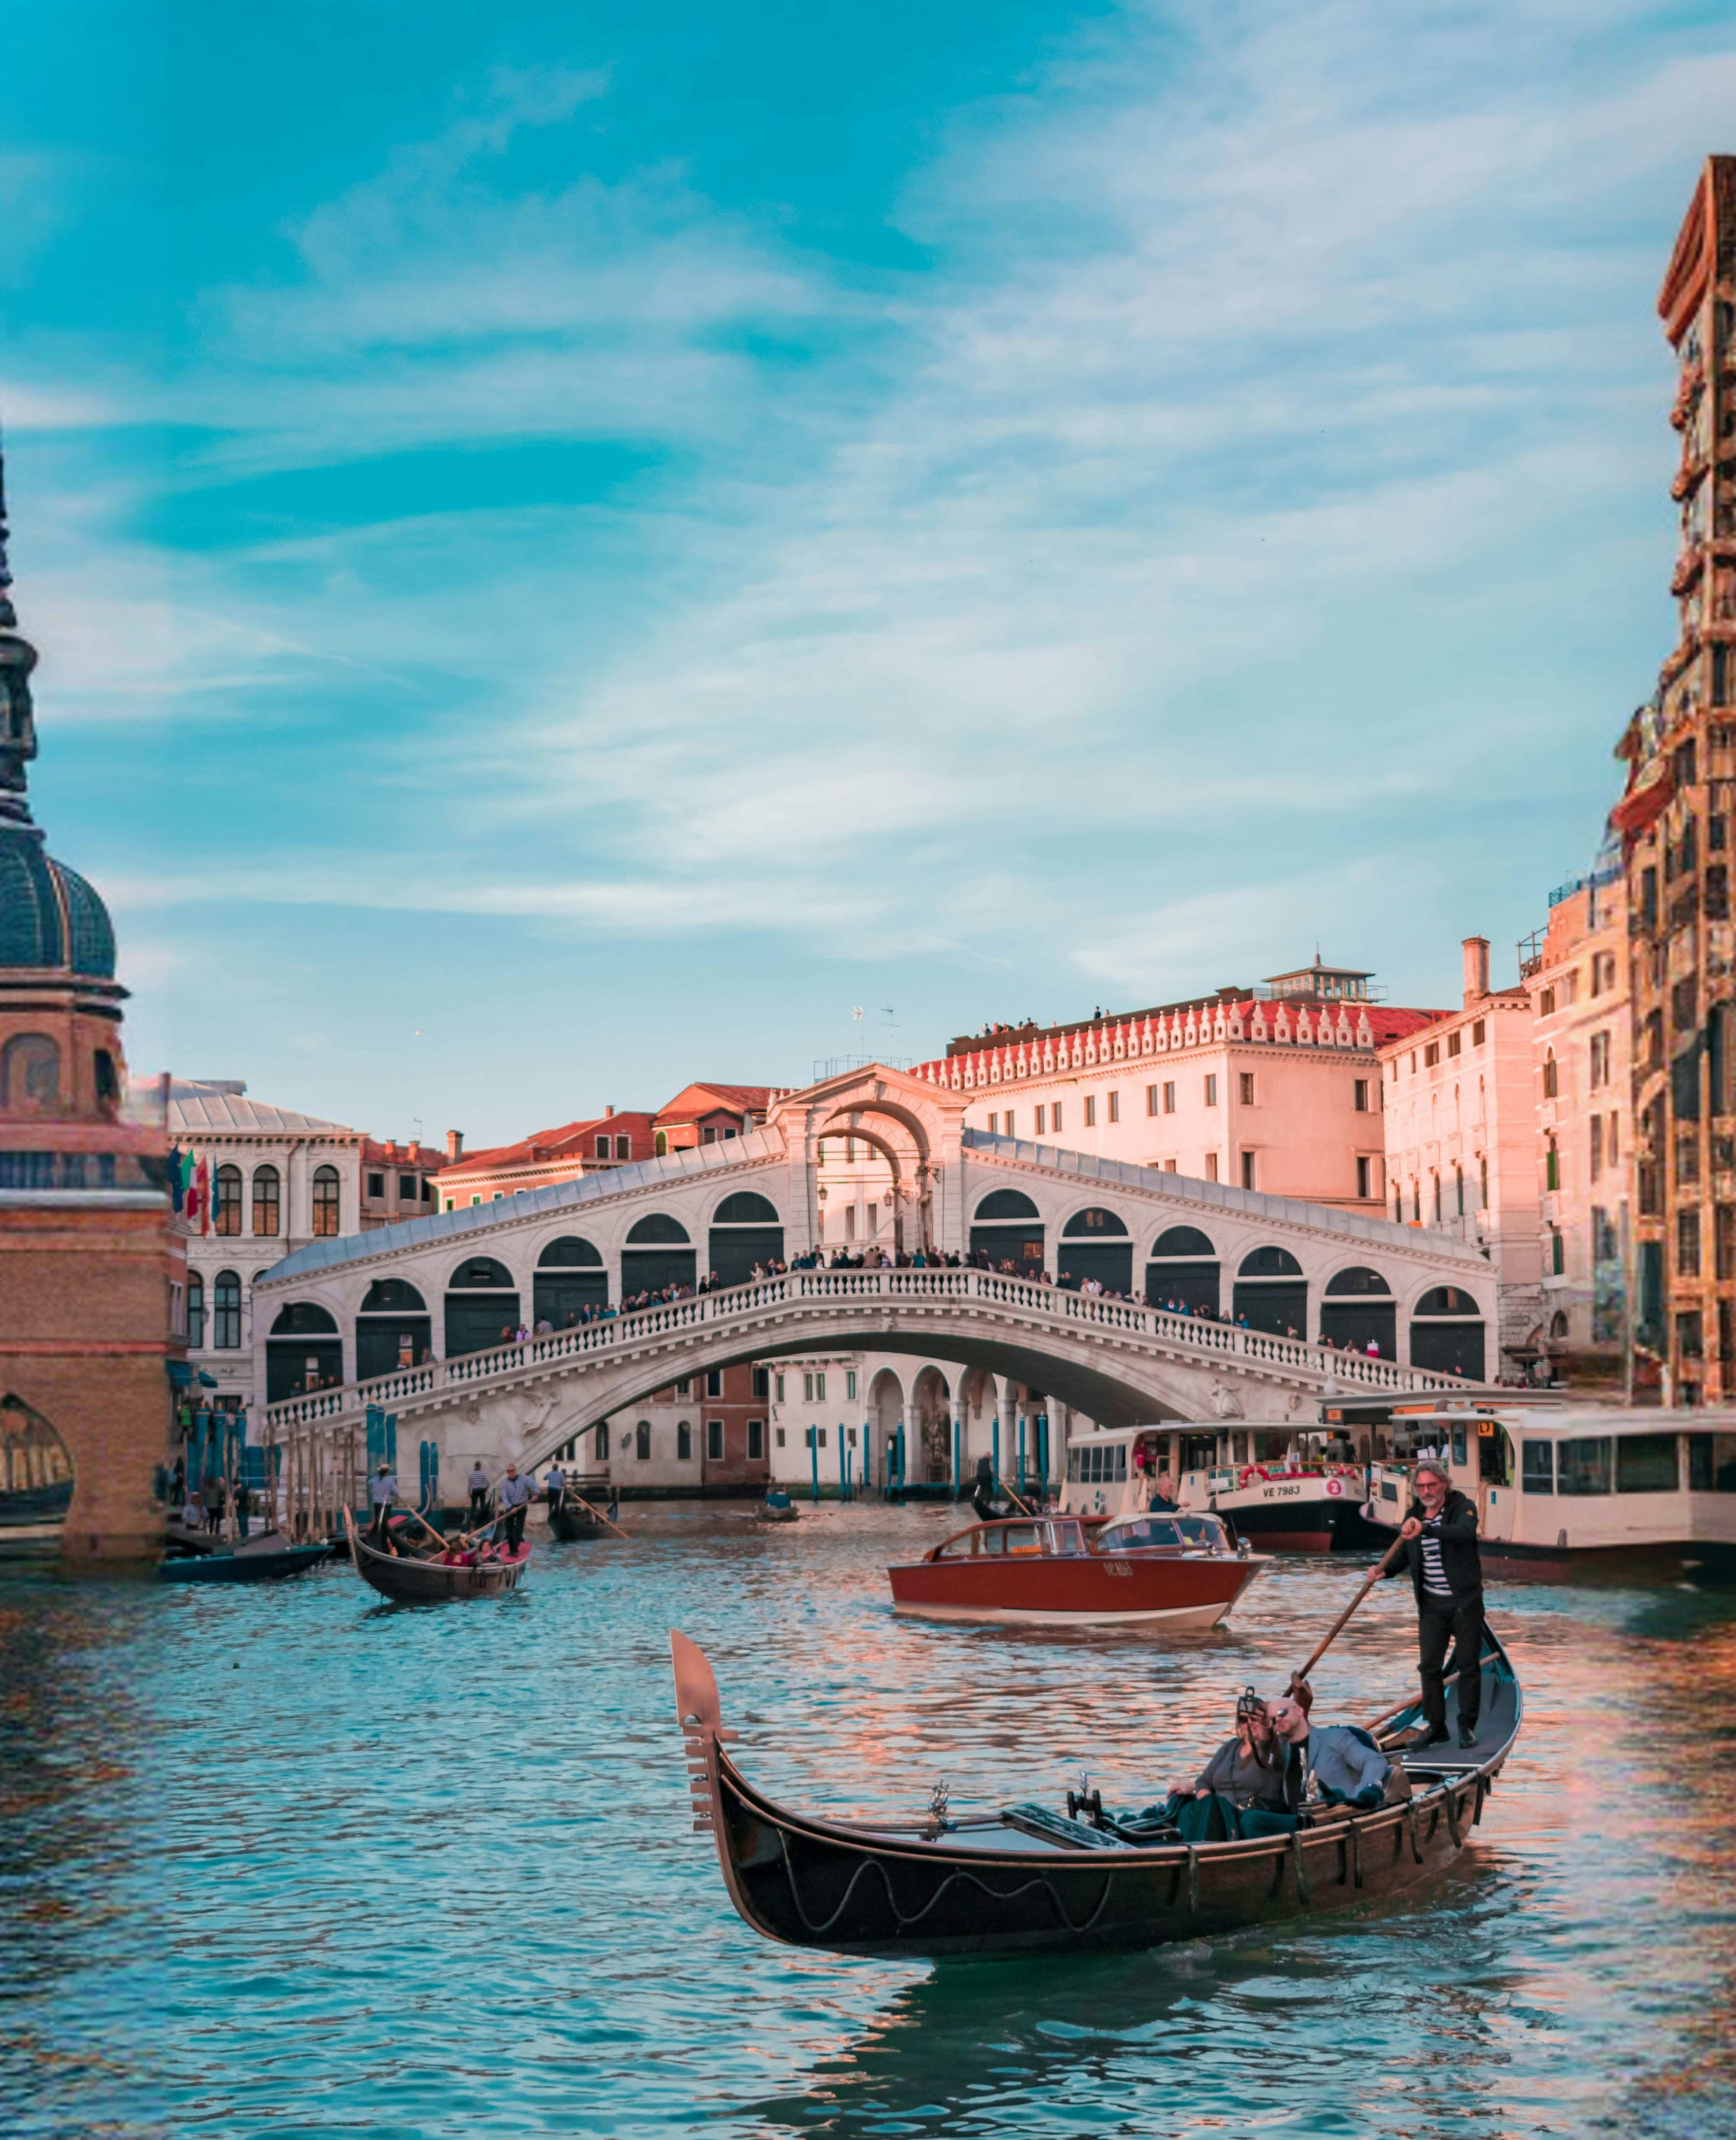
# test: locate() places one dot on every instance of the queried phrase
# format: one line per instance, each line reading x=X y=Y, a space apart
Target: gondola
x=267 y=1559
x=1028 y=1877
x=568 y=1520
x=411 y=1580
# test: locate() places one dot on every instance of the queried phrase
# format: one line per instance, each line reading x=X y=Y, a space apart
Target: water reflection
x=289 y=1863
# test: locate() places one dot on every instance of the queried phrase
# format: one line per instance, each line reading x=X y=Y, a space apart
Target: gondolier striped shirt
x=1434 y=1576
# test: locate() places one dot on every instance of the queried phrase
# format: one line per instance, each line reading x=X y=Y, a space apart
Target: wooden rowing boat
x=1024 y=1879
x=413 y=1580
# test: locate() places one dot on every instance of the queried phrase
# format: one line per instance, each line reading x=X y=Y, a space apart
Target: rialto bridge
x=412 y=1316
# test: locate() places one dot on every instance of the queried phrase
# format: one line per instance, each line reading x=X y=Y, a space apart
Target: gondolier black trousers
x=1441 y=1622
x=479 y=1504
x=513 y=1529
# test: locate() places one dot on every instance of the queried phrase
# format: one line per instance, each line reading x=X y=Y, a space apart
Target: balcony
x=1689 y=567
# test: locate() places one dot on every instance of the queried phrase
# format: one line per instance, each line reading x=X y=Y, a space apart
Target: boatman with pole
x=515 y=1495
x=479 y=1493
x=382 y=1492
x=1439 y=1536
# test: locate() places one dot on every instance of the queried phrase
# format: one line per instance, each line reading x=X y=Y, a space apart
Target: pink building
x=1276 y=1088
x=1461 y=1140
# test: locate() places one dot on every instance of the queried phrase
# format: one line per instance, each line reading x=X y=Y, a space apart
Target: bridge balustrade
x=1025 y=1297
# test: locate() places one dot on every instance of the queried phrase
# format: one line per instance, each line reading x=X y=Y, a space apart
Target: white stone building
x=280 y=1179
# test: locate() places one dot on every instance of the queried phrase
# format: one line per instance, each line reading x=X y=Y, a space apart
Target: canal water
x=294 y=1861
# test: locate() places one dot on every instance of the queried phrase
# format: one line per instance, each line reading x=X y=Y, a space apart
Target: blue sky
x=572 y=546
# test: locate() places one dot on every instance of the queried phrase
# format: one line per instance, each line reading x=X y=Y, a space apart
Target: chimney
x=455 y=1145
x=607 y=1112
x=1476 y=969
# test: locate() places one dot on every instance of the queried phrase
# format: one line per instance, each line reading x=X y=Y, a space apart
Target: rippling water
x=295 y=1861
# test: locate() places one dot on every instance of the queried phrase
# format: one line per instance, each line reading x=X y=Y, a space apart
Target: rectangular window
x=1557 y=1252
x=1545 y=1004
x=1478 y=1030
x=1055 y=1118
x=1152 y=1101
x=761 y=1379
x=1114 y=1107
x=1090 y=1111
x=1431 y=1054
x=1453 y=1042
x=849 y=1384
x=267 y=1209
x=1211 y=1166
x=994 y=1124
x=684 y=1387
x=1712 y=1463
x=409 y=1189
x=1007 y=1130
x=1039 y=1121
x=602 y=1147
x=177 y=1308
x=1170 y=1099
x=1360 y=1097
x=819 y=1393
x=1599 y=1065
x=850 y=1437
x=1247 y=1087
x=1248 y=1170
x=755 y=1441
x=807 y=1389
x=780 y=1389
x=1583 y=1467
x=713 y=1382
x=714 y=1441
x=1169 y=1166
x=1363 y=1171
x=1595 y=1147
x=1536 y=1473
x=376 y=1187
x=1687 y=1244
x=1646 y=1464
x=623 y=1147
x=1211 y=1091
x=780 y=1437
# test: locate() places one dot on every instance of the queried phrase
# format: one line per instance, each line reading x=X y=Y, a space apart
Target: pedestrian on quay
x=515 y=1494
x=214 y=1500
x=1446 y=1572
x=478 y=1483
x=382 y=1492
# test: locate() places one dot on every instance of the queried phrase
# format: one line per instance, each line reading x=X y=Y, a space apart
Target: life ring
x=1250 y=1472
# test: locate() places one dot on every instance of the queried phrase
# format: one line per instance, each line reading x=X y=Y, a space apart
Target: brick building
x=1674 y=820
x=92 y=1280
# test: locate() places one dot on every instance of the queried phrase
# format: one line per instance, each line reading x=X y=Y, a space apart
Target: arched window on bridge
x=303 y=1352
x=1094 y=1245
x=1358 y=1310
x=393 y=1328
x=1183 y=1267
x=570 y=1277
x=1447 y=1332
x=657 y=1254
x=1008 y=1228
x=1272 y=1293
x=481 y=1301
x=745 y=1230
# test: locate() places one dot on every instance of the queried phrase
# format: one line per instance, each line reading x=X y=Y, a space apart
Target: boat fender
x=1453 y=1827
x=1193 y=1880
x=1416 y=1847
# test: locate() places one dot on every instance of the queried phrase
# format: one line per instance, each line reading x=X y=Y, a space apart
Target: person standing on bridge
x=515 y=1495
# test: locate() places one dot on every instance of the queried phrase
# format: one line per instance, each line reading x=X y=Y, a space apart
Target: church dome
x=49 y=916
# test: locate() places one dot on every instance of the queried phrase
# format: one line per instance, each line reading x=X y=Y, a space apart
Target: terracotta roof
x=738 y=1099
x=544 y=1144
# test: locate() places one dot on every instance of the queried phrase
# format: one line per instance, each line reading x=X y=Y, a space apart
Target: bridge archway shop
x=393 y=1330
x=658 y=1253
x=1358 y=1310
x=1447 y=1332
x=1008 y=1227
x=482 y=1300
x=304 y=1351
x=1272 y=1293
x=570 y=1277
x=745 y=1230
x=1183 y=1267
x=1095 y=1243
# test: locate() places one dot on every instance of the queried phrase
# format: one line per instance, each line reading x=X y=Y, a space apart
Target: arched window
x=266 y=1202
x=570 y=1253
x=482 y=1303
x=660 y=1143
x=303 y=1352
x=326 y=1205
x=1551 y=1076
x=1552 y=1166
x=1447 y=1332
x=1095 y=1246
x=304 y=1319
x=1181 y=1241
x=1559 y=1327
x=746 y=1209
x=30 y=1075
x=108 y=1079
x=1272 y=1294
x=684 y=1442
x=195 y=1312
x=1093 y=1222
x=745 y=1230
x=1458 y=1186
x=229 y=1199
x=1358 y=1313
x=656 y=1228
x=1004 y=1204
x=393 y=1329
x=657 y=1254
x=1447 y=1300
x=1434 y=1183
x=642 y=1441
x=393 y=1296
x=1357 y=1278
x=226 y=1312
x=1183 y=1267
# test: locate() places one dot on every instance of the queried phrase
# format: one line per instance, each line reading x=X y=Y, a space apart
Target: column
x=1006 y=1425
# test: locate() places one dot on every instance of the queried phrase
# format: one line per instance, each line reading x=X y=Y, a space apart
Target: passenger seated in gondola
x=1239 y=1792
x=1327 y=1764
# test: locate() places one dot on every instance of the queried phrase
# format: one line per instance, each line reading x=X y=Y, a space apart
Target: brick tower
x=1675 y=819
x=92 y=1283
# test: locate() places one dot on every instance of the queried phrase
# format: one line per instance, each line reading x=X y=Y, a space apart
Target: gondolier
x=1446 y=1570
x=515 y=1494
x=382 y=1492
x=554 y=1486
x=478 y=1483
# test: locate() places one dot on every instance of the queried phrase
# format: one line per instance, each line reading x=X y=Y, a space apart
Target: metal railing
x=619 y=1336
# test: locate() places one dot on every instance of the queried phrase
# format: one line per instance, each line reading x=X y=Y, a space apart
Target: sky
x=578 y=548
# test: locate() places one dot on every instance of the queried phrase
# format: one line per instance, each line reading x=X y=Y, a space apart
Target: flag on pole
x=202 y=1194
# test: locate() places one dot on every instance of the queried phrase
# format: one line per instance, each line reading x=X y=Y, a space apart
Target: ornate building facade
x=1674 y=820
x=92 y=1279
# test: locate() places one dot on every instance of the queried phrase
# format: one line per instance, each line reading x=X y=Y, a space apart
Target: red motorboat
x=1175 y=1571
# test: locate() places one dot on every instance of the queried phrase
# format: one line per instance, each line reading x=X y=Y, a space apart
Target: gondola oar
x=596 y=1513
x=1301 y=1678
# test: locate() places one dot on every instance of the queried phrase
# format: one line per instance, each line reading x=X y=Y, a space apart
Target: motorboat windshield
x=1180 y=1533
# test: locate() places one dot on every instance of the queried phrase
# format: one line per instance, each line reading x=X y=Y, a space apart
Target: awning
x=1642 y=808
